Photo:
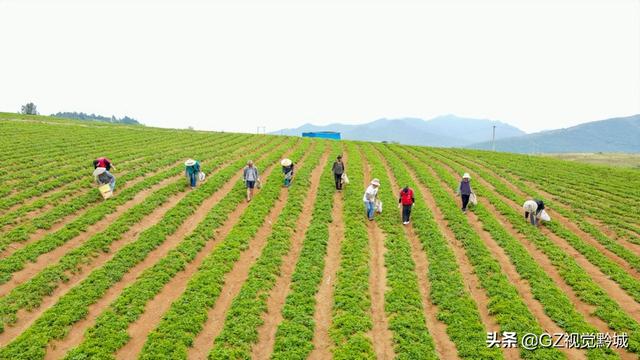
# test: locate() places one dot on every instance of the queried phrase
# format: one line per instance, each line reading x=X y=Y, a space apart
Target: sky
x=234 y=65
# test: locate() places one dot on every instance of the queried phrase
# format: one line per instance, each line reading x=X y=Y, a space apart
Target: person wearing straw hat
x=338 y=170
x=287 y=169
x=104 y=177
x=465 y=191
x=103 y=162
x=251 y=176
x=192 y=169
x=370 y=197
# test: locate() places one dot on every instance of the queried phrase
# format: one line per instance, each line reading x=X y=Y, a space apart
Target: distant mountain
x=444 y=131
x=611 y=135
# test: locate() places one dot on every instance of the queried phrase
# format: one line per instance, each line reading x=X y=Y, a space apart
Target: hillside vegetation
x=161 y=271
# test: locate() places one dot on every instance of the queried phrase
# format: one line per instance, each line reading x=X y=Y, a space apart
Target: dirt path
x=32 y=268
x=273 y=316
x=608 y=232
x=443 y=345
x=626 y=302
x=156 y=308
x=521 y=285
x=234 y=280
x=466 y=269
x=98 y=226
x=381 y=336
x=57 y=349
x=233 y=283
x=322 y=343
x=567 y=223
x=26 y=318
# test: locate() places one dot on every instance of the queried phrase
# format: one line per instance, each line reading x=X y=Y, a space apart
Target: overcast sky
x=234 y=65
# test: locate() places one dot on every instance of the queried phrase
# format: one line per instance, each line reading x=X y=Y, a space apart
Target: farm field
x=161 y=271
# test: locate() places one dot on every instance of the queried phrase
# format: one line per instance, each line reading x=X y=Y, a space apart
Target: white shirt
x=530 y=206
x=370 y=193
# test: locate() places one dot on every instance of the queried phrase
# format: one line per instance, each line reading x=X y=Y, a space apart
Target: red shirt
x=406 y=198
x=103 y=162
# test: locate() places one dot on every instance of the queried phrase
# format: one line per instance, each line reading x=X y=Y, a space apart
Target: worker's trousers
x=371 y=209
x=338 y=179
x=465 y=201
x=193 y=179
x=406 y=213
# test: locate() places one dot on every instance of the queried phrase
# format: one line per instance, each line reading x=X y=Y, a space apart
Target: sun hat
x=466 y=176
x=286 y=162
x=250 y=162
x=99 y=171
x=189 y=162
x=375 y=182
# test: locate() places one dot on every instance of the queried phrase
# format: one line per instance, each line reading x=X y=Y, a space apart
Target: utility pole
x=493 y=140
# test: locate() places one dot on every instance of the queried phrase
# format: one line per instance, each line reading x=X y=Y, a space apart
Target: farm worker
x=104 y=177
x=250 y=176
x=287 y=169
x=406 y=200
x=464 y=190
x=370 y=197
x=103 y=162
x=192 y=170
x=532 y=209
x=338 y=170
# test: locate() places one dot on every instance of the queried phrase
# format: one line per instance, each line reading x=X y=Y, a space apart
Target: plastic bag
x=473 y=199
x=544 y=216
x=379 y=206
x=258 y=184
x=345 y=178
x=201 y=176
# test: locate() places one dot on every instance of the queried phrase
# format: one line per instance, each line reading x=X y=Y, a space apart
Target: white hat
x=286 y=162
x=375 y=182
x=189 y=162
x=466 y=176
x=99 y=171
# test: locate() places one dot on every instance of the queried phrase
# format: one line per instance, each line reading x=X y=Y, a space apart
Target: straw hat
x=285 y=162
x=189 y=162
x=375 y=182
x=99 y=171
x=466 y=176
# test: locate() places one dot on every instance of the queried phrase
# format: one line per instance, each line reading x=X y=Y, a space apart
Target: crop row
x=294 y=335
x=187 y=314
x=403 y=304
x=581 y=206
x=30 y=293
x=351 y=300
x=574 y=275
x=510 y=312
x=240 y=330
x=84 y=184
x=456 y=307
x=109 y=333
x=82 y=178
x=554 y=301
x=630 y=257
x=45 y=221
x=72 y=307
x=583 y=202
x=629 y=283
x=32 y=251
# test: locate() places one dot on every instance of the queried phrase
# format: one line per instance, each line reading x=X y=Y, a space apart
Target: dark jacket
x=338 y=168
x=465 y=188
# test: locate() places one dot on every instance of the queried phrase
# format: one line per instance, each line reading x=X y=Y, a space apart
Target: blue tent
x=322 y=134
